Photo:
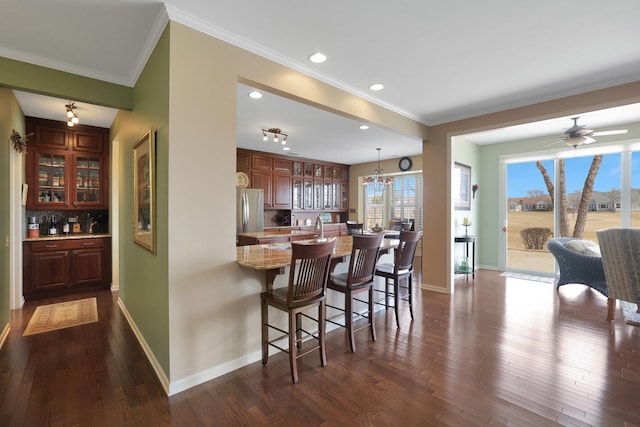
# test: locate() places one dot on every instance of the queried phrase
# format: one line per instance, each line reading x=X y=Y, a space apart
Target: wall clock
x=405 y=164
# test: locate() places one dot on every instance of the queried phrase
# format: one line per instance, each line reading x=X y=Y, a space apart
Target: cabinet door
x=88 y=183
x=50 y=134
x=335 y=191
x=318 y=201
x=297 y=193
x=51 y=179
x=297 y=168
x=327 y=200
x=308 y=194
x=281 y=190
x=89 y=141
x=260 y=179
x=345 y=196
x=88 y=266
x=50 y=270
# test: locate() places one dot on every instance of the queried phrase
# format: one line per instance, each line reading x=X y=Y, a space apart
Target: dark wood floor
x=498 y=352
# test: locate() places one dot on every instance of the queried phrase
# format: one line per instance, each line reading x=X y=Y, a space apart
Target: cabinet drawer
x=63 y=245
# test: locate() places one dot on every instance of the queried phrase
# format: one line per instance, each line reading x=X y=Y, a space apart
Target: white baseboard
x=162 y=377
x=5 y=334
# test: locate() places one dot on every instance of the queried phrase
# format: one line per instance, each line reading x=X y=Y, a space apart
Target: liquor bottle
x=53 y=228
x=65 y=227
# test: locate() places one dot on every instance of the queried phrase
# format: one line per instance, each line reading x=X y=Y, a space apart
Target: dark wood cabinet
x=54 y=267
x=67 y=168
x=295 y=184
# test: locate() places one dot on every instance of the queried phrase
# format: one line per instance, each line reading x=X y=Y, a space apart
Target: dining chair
x=620 y=248
x=355 y=228
x=357 y=279
x=400 y=269
x=309 y=271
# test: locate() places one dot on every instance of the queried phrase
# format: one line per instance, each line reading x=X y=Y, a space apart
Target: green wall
x=143 y=275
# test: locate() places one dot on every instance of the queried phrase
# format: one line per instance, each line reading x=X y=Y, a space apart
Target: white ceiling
x=439 y=61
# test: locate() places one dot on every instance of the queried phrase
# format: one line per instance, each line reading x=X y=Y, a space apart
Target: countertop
x=275 y=233
x=67 y=237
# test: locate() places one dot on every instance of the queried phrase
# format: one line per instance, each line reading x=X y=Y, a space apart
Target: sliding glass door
x=571 y=197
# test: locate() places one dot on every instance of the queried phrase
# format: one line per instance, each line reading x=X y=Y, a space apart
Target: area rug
x=62 y=315
x=631 y=315
x=528 y=277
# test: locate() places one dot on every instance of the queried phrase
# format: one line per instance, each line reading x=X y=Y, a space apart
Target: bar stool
x=309 y=271
x=402 y=268
x=359 y=278
x=354 y=228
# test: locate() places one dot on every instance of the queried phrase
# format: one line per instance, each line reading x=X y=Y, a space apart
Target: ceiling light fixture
x=72 y=116
x=317 y=58
x=379 y=181
x=364 y=127
x=376 y=86
x=277 y=133
x=254 y=94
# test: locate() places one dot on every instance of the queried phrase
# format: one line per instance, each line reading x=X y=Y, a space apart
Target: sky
x=522 y=177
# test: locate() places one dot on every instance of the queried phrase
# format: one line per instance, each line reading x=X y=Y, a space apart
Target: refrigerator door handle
x=245 y=212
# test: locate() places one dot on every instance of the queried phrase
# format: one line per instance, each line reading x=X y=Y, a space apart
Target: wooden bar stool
x=355 y=228
x=401 y=269
x=359 y=278
x=309 y=271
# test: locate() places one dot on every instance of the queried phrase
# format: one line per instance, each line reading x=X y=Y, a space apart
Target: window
x=401 y=200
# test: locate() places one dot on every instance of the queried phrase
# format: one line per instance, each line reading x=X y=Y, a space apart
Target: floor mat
x=62 y=315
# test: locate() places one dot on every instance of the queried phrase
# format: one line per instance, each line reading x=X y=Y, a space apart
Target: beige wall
x=213 y=303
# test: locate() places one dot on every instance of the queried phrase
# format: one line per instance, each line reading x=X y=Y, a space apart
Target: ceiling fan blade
x=554 y=142
x=611 y=132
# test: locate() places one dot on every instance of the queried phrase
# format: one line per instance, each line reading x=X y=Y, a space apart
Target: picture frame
x=461 y=184
x=144 y=191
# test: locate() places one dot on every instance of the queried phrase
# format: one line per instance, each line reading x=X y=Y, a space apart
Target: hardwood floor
x=498 y=352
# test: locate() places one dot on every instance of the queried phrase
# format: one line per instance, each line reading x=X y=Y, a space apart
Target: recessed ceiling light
x=318 y=57
x=255 y=94
x=364 y=127
x=376 y=86
x=285 y=148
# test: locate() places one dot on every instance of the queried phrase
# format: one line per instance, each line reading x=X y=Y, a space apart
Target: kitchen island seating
x=310 y=265
x=357 y=279
x=354 y=228
x=401 y=269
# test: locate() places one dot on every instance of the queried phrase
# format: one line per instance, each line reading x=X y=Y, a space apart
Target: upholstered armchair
x=576 y=267
x=621 y=259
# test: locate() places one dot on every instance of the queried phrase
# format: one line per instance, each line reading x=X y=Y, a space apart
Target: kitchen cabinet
x=67 y=168
x=273 y=175
x=57 y=266
x=295 y=184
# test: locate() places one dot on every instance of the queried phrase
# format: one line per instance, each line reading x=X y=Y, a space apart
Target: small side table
x=466 y=239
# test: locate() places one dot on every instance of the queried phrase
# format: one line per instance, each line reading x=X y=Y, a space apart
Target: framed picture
x=144 y=191
x=461 y=185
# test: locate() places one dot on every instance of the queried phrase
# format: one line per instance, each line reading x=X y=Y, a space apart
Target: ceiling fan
x=579 y=135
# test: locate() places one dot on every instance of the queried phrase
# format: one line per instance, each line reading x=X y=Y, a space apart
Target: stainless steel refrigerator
x=249 y=210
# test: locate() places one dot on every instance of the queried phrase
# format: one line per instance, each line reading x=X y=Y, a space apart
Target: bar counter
x=272 y=258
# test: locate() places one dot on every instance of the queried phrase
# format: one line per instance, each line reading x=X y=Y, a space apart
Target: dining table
x=273 y=258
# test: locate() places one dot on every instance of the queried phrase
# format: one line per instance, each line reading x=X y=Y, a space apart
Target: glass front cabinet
x=67 y=168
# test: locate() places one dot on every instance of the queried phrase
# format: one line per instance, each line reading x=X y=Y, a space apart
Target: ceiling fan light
x=74 y=119
x=70 y=124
